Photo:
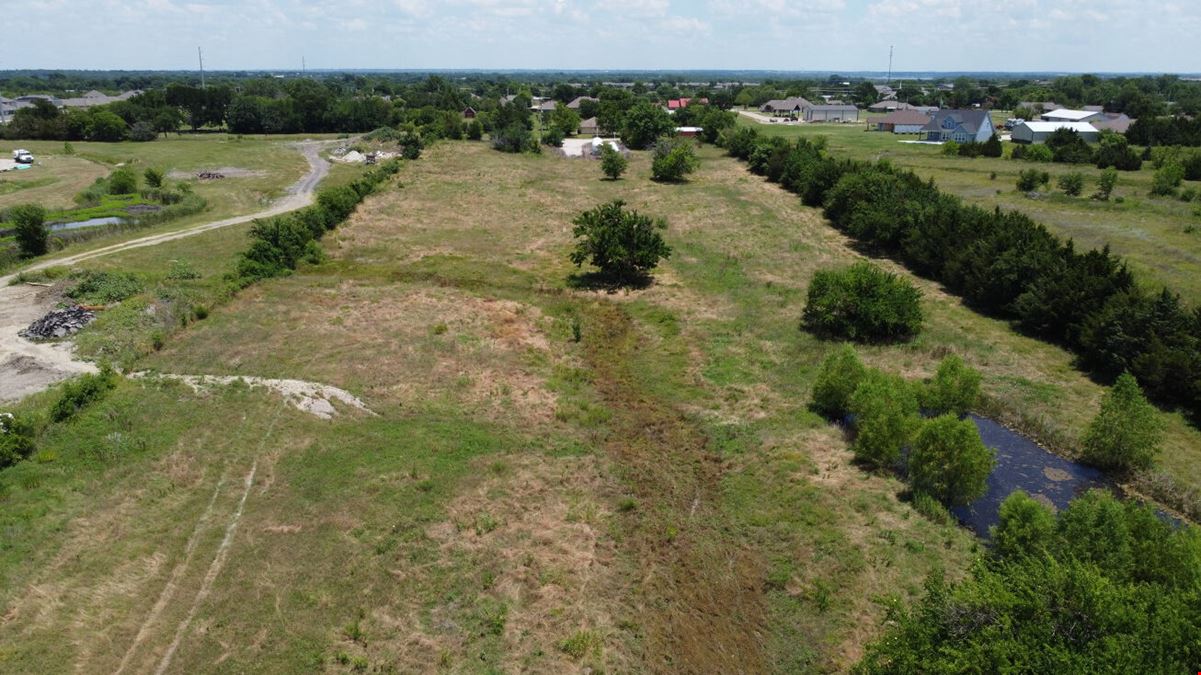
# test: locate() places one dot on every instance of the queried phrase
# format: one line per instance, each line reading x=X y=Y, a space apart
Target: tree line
x=1002 y=263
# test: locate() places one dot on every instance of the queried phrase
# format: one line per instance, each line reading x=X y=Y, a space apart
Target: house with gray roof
x=961 y=126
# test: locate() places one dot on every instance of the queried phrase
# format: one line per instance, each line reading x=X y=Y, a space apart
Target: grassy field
x=270 y=163
x=652 y=496
x=1160 y=237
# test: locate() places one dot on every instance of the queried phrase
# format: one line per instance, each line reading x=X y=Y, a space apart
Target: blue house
x=961 y=126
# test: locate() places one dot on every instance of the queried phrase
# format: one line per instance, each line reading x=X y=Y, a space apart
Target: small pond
x=1023 y=465
x=94 y=222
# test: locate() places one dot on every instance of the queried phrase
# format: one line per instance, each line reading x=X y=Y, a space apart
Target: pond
x=1024 y=465
x=93 y=222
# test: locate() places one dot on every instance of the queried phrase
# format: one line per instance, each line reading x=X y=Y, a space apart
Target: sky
x=822 y=35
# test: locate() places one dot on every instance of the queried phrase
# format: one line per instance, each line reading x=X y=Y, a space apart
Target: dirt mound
x=58 y=323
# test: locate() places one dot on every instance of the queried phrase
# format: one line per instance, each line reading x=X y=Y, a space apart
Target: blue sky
x=995 y=35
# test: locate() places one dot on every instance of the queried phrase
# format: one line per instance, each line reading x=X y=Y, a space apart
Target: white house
x=1039 y=132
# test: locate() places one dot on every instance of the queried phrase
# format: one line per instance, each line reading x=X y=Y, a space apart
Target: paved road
x=28 y=367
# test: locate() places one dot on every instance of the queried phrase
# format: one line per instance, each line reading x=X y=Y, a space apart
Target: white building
x=1039 y=132
x=1067 y=115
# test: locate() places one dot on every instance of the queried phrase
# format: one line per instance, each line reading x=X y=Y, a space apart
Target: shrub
x=863 y=303
x=673 y=159
x=82 y=392
x=553 y=136
x=1126 y=432
x=950 y=148
x=514 y=138
x=29 y=225
x=1034 y=153
x=932 y=509
x=1025 y=527
x=123 y=181
x=839 y=375
x=885 y=412
x=1030 y=180
x=1072 y=183
x=949 y=462
x=411 y=145
x=1106 y=183
x=613 y=163
x=624 y=245
x=102 y=288
x=992 y=147
x=1068 y=147
x=154 y=177
x=1166 y=180
x=955 y=388
x=475 y=130
x=16 y=439
x=142 y=132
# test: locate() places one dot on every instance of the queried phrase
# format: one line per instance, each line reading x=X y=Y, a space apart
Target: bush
x=932 y=509
x=1030 y=180
x=885 y=412
x=475 y=130
x=553 y=136
x=1033 y=153
x=839 y=375
x=1025 y=527
x=613 y=163
x=411 y=145
x=142 y=132
x=94 y=287
x=863 y=303
x=154 y=177
x=673 y=159
x=992 y=147
x=1106 y=183
x=123 y=181
x=1166 y=180
x=624 y=245
x=514 y=138
x=16 y=439
x=1126 y=432
x=82 y=392
x=949 y=462
x=1072 y=183
x=955 y=388
x=29 y=229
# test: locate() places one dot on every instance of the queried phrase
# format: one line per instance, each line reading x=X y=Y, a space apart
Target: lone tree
x=643 y=124
x=863 y=303
x=29 y=222
x=624 y=245
x=674 y=158
x=949 y=462
x=955 y=388
x=613 y=163
x=1126 y=433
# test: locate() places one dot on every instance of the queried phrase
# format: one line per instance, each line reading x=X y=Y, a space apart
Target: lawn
x=1159 y=237
x=650 y=495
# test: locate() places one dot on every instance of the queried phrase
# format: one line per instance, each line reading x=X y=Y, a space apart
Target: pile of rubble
x=210 y=175
x=59 y=323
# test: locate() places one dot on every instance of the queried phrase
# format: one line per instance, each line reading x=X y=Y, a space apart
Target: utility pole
x=304 y=69
x=889 y=82
x=200 y=55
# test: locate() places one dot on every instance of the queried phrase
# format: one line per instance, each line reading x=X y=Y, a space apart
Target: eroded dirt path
x=28 y=367
x=700 y=593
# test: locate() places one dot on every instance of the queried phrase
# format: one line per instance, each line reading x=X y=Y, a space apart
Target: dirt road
x=28 y=367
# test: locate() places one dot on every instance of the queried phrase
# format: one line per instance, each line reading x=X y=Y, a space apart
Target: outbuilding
x=1067 y=115
x=1039 y=132
x=832 y=113
x=903 y=122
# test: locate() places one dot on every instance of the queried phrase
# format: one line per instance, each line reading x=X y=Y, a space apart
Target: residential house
x=795 y=105
x=838 y=112
x=961 y=126
x=1068 y=115
x=903 y=122
x=889 y=105
x=1116 y=122
x=544 y=106
x=589 y=127
x=575 y=102
x=688 y=132
x=1039 y=107
x=1039 y=132
x=678 y=103
x=885 y=92
x=469 y=112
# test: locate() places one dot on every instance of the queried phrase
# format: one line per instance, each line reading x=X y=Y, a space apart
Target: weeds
x=581 y=644
x=81 y=393
x=102 y=288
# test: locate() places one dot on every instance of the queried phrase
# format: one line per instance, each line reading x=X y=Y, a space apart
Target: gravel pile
x=58 y=323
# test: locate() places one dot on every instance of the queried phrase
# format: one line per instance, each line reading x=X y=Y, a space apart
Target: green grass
x=554 y=478
x=1152 y=233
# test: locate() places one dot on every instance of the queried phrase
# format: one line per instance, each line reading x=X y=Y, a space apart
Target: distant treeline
x=1002 y=263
